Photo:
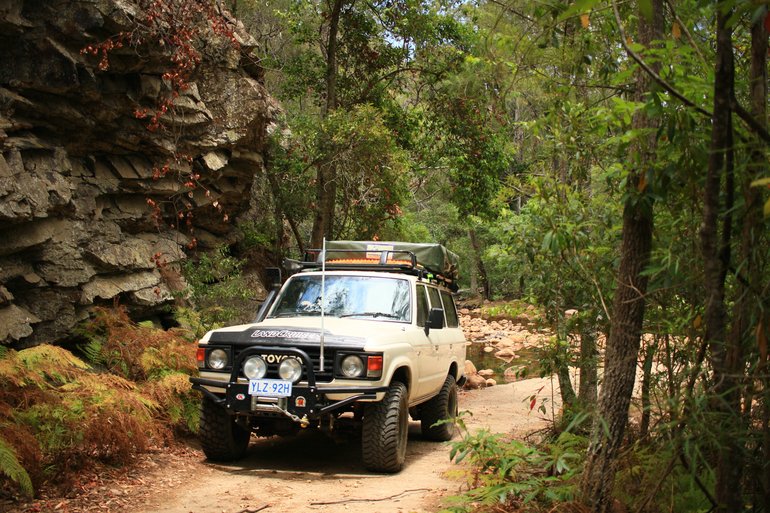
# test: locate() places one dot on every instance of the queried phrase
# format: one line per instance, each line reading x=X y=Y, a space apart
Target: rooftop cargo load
x=434 y=258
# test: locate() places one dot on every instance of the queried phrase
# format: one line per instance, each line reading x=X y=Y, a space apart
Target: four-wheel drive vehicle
x=362 y=336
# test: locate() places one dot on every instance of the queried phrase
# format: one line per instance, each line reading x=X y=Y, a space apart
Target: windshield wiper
x=295 y=314
x=371 y=314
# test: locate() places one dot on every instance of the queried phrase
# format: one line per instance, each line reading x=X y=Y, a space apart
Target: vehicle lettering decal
x=284 y=336
x=274 y=358
x=297 y=335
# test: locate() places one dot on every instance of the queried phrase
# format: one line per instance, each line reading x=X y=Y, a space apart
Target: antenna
x=323 y=299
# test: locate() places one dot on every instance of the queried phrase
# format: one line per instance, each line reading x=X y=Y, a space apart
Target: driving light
x=290 y=369
x=254 y=367
x=352 y=366
x=217 y=359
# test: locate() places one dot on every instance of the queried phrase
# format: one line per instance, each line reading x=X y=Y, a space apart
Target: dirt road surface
x=312 y=473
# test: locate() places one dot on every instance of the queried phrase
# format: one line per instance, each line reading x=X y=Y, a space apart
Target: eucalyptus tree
x=656 y=148
x=338 y=60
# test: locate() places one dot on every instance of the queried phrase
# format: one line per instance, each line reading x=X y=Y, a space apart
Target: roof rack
x=385 y=260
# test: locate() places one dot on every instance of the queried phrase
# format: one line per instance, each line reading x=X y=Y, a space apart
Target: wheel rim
x=452 y=404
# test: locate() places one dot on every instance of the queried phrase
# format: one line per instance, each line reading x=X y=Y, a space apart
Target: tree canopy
x=600 y=156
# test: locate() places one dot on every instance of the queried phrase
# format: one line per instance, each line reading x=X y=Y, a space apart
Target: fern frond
x=11 y=467
x=52 y=362
x=92 y=350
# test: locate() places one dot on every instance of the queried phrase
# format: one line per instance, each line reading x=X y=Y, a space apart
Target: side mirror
x=435 y=320
x=273 y=277
x=292 y=266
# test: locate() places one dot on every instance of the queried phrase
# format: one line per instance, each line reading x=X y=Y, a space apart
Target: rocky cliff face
x=77 y=166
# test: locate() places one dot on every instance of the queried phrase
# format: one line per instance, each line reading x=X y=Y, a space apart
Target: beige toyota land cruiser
x=361 y=336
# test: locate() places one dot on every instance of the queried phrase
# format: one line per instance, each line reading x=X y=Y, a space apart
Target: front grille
x=314 y=352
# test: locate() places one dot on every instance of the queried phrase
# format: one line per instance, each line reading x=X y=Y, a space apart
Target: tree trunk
x=326 y=193
x=567 y=391
x=588 y=367
x=629 y=302
x=752 y=233
x=724 y=403
x=482 y=271
x=326 y=180
x=644 y=424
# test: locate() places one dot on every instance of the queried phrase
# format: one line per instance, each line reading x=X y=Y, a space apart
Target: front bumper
x=307 y=400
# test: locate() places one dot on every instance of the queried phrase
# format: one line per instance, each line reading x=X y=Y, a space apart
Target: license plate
x=270 y=387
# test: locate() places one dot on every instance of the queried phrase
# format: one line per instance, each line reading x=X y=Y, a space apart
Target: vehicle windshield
x=346 y=296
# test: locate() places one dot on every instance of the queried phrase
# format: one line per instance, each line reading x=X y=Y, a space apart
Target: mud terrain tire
x=442 y=406
x=385 y=431
x=221 y=438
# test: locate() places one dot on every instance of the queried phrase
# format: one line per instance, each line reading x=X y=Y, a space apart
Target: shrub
x=509 y=473
x=60 y=414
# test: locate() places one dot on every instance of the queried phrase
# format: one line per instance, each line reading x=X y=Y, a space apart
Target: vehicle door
x=453 y=332
x=425 y=347
x=440 y=340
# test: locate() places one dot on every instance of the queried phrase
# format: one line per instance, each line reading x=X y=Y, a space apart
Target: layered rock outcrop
x=78 y=170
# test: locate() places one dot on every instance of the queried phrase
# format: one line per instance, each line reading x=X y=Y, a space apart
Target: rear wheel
x=221 y=437
x=385 y=431
x=442 y=406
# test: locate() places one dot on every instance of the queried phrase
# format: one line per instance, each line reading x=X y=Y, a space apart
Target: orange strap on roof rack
x=367 y=261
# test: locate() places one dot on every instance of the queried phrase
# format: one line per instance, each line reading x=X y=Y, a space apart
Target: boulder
x=470 y=368
x=486 y=373
x=15 y=323
x=490 y=382
x=474 y=382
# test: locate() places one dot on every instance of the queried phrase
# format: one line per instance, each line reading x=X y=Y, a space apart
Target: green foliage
x=217 y=289
x=60 y=414
x=644 y=469
x=510 y=473
x=504 y=310
x=12 y=469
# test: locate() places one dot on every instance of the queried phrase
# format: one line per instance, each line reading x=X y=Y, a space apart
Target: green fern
x=92 y=350
x=11 y=467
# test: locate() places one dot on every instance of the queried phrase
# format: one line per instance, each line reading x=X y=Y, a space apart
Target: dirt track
x=312 y=473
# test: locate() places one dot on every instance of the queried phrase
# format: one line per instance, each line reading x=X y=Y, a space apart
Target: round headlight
x=290 y=369
x=254 y=367
x=217 y=359
x=352 y=366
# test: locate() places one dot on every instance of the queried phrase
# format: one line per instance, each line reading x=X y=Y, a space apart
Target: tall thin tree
x=629 y=301
x=326 y=180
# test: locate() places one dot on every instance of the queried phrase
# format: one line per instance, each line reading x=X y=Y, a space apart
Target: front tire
x=385 y=431
x=442 y=406
x=222 y=439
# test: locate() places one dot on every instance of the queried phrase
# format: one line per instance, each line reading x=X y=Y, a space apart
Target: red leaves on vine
x=182 y=29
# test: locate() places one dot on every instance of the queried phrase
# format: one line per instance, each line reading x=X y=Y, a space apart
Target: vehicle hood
x=307 y=330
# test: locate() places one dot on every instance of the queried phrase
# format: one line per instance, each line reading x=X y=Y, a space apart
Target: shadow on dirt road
x=314 y=453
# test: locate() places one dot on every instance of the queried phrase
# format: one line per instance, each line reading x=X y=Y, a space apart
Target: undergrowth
x=514 y=310
x=504 y=474
x=59 y=413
